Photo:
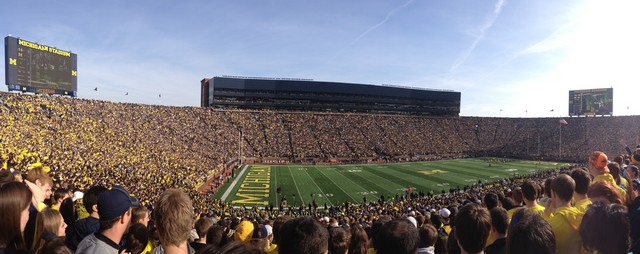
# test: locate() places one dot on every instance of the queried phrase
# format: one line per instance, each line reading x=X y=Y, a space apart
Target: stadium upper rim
x=305 y=79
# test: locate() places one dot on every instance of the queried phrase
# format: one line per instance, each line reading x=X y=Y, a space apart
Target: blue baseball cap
x=115 y=202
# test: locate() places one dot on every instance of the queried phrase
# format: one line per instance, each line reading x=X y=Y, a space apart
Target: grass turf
x=335 y=184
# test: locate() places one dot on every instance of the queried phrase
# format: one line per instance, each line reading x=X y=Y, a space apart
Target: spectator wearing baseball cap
x=114 y=208
x=244 y=231
x=266 y=231
x=444 y=215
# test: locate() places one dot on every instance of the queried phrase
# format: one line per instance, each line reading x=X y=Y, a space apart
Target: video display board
x=37 y=68
x=591 y=102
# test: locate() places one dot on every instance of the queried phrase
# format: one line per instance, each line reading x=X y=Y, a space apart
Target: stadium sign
x=37 y=68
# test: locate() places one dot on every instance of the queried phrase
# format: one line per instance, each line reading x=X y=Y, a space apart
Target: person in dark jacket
x=91 y=224
x=499 y=224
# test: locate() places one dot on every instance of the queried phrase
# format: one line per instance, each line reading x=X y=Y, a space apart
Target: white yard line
x=341 y=187
x=233 y=184
x=353 y=181
x=314 y=182
x=295 y=184
x=369 y=171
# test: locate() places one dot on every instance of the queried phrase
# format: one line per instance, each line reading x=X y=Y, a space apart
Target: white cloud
x=372 y=28
x=559 y=39
x=481 y=32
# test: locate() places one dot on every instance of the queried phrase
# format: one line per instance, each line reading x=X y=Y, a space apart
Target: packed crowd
x=81 y=144
x=593 y=208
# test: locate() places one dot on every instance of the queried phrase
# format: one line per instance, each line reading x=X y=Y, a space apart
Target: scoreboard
x=591 y=102
x=37 y=68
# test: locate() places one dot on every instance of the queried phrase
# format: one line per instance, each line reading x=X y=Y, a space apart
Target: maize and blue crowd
x=89 y=177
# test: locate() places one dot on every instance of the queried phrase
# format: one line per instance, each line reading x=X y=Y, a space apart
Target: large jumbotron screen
x=591 y=102
x=37 y=68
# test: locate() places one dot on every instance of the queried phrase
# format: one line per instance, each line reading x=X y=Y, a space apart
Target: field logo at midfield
x=431 y=172
x=512 y=170
x=254 y=189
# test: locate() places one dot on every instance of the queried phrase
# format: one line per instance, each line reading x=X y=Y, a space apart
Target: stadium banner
x=37 y=68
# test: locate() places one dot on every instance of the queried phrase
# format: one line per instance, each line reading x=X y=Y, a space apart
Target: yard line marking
x=353 y=182
x=381 y=187
x=354 y=200
x=314 y=182
x=369 y=172
x=233 y=184
x=295 y=184
x=275 y=179
x=384 y=179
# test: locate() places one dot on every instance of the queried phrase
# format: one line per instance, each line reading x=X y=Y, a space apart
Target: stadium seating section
x=96 y=142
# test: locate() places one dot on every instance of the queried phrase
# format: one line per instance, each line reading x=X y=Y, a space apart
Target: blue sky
x=519 y=56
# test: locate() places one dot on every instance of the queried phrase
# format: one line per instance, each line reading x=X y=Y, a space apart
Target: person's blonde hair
x=38 y=173
x=47 y=220
x=174 y=217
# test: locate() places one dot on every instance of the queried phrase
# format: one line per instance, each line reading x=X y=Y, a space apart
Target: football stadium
x=358 y=166
x=304 y=166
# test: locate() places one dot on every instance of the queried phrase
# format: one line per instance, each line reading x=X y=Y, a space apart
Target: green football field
x=335 y=184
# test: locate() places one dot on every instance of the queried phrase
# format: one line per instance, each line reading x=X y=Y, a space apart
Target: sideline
x=233 y=184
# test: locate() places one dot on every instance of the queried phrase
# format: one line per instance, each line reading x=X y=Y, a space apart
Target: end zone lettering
x=254 y=189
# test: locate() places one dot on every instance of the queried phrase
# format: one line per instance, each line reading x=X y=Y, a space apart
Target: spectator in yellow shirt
x=58 y=196
x=582 y=179
x=530 y=193
x=565 y=220
x=517 y=199
x=615 y=171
